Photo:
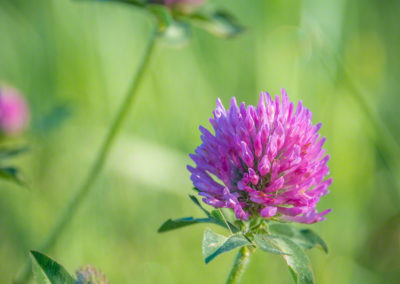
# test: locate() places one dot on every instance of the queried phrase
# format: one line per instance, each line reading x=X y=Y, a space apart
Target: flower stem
x=75 y=202
x=239 y=265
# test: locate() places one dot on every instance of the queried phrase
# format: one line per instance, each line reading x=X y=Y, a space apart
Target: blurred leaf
x=218 y=23
x=53 y=119
x=265 y=242
x=306 y=238
x=11 y=174
x=8 y=153
x=182 y=222
x=215 y=244
x=296 y=259
x=52 y=271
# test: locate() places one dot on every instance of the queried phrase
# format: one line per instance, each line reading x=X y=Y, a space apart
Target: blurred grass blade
x=52 y=272
x=297 y=260
x=305 y=238
x=215 y=244
x=265 y=243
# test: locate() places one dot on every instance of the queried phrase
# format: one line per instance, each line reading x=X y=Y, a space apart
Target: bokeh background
x=74 y=62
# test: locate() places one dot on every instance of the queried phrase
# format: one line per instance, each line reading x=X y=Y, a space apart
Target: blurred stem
x=239 y=265
x=75 y=202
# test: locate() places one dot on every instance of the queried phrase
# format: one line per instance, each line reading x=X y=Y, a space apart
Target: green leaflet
x=46 y=270
x=265 y=243
x=215 y=244
x=182 y=222
x=306 y=238
x=296 y=259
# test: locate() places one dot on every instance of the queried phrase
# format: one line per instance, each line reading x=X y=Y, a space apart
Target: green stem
x=75 y=202
x=239 y=265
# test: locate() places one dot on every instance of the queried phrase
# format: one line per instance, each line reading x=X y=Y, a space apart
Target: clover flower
x=90 y=275
x=263 y=161
x=14 y=111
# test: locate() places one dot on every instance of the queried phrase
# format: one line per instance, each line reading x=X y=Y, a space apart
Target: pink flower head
x=14 y=111
x=263 y=161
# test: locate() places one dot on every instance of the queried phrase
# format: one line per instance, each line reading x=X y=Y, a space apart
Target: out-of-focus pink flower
x=184 y=2
x=90 y=275
x=263 y=161
x=14 y=111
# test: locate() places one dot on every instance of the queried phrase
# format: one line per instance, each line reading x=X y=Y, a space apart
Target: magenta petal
x=268 y=211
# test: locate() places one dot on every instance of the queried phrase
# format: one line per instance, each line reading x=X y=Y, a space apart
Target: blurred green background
x=74 y=62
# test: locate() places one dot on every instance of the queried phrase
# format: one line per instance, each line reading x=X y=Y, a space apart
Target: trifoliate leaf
x=52 y=272
x=215 y=244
